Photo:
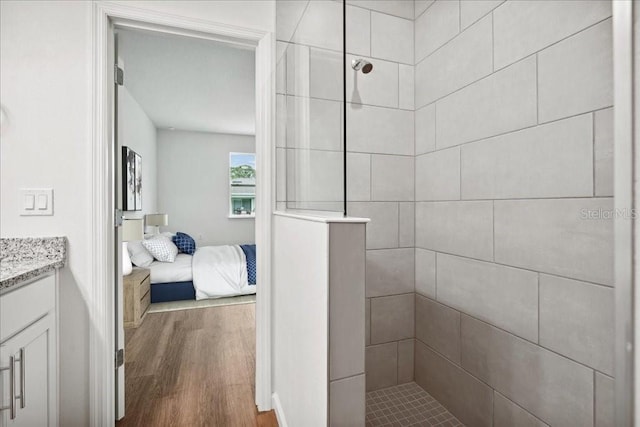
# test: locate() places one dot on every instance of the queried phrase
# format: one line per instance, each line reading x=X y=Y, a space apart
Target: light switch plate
x=36 y=201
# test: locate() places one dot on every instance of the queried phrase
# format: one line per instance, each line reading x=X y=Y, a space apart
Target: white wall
x=138 y=132
x=45 y=82
x=193 y=185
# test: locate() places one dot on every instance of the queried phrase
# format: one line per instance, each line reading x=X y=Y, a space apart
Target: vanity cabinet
x=28 y=354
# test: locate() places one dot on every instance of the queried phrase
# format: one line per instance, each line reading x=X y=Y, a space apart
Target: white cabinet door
x=30 y=361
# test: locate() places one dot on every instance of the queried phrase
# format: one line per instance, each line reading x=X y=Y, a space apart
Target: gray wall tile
x=358 y=177
x=463 y=60
x=426 y=129
x=554 y=389
x=603 y=140
x=473 y=10
x=367 y=315
x=391 y=38
x=379 y=87
x=314 y=124
x=553 y=160
x=439 y=24
x=405 y=361
x=508 y=414
x=577 y=320
x=347 y=402
x=461 y=228
x=426 y=272
x=553 y=236
x=407 y=232
x=288 y=15
x=379 y=130
x=323 y=77
x=381 y=366
x=503 y=102
x=524 y=27
x=392 y=178
x=421 y=6
x=392 y=318
x=438 y=175
x=576 y=75
x=406 y=87
x=390 y=271
x=438 y=326
x=403 y=9
x=358 y=31
x=463 y=395
x=382 y=230
x=314 y=176
x=503 y=296
x=320 y=26
x=605 y=410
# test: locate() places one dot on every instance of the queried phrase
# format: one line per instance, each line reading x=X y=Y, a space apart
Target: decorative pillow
x=162 y=248
x=138 y=254
x=185 y=243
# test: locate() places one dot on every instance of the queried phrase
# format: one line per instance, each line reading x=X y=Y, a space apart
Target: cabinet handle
x=12 y=388
x=22 y=378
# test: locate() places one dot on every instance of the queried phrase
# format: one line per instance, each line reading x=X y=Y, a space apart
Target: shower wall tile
x=382 y=230
x=603 y=146
x=320 y=26
x=463 y=60
x=438 y=326
x=503 y=296
x=421 y=6
x=347 y=401
x=407 y=229
x=472 y=10
x=281 y=121
x=469 y=399
x=379 y=87
x=392 y=318
x=389 y=272
x=281 y=175
x=406 y=87
x=403 y=9
x=426 y=129
x=556 y=236
x=392 y=178
x=391 y=38
x=605 y=410
x=288 y=15
x=381 y=365
x=314 y=124
x=281 y=67
x=358 y=177
x=524 y=27
x=576 y=75
x=439 y=24
x=508 y=414
x=324 y=78
x=405 y=361
x=358 y=24
x=553 y=160
x=367 y=323
x=316 y=169
x=551 y=387
x=503 y=102
x=577 y=320
x=438 y=175
x=461 y=228
x=379 y=130
x=426 y=272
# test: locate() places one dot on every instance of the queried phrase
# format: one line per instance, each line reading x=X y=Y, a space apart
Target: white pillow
x=162 y=248
x=138 y=254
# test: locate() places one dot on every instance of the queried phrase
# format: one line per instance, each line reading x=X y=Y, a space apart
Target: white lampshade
x=132 y=229
x=158 y=220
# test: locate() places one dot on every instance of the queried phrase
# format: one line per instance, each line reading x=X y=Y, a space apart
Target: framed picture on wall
x=131 y=180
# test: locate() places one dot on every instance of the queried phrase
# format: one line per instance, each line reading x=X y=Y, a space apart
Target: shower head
x=361 y=64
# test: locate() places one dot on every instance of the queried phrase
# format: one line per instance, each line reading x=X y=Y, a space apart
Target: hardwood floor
x=193 y=368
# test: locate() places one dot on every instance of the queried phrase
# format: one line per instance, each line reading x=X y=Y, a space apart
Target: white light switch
x=37 y=201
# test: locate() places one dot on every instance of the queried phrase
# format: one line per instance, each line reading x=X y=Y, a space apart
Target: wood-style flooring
x=193 y=368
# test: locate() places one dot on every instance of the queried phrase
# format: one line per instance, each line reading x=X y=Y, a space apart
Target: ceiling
x=188 y=83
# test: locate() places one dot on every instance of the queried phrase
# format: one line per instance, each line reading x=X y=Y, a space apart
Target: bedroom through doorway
x=186 y=183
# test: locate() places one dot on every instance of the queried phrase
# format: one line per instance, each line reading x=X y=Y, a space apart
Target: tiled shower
x=481 y=147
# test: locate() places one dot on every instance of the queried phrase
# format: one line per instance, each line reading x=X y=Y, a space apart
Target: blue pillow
x=185 y=243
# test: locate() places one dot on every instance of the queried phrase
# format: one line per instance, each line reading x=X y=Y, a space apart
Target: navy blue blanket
x=250 y=254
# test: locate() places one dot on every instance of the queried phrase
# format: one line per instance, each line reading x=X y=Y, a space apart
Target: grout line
x=493 y=229
x=593 y=151
x=423 y=12
x=538 y=307
x=537 y=92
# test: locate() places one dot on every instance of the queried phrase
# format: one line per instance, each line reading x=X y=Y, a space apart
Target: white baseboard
x=277 y=407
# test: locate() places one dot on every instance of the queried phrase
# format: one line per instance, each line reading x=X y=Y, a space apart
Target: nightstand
x=137 y=296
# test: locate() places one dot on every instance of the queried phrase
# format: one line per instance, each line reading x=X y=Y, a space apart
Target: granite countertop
x=22 y=259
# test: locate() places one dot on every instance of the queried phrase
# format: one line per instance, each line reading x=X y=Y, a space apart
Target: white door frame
x=102 y=304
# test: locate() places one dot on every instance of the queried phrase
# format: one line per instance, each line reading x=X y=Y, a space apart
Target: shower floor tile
x=407 y=405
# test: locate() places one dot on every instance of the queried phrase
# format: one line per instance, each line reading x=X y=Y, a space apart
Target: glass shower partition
x=311 y=156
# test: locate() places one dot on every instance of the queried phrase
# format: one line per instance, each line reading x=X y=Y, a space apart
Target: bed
x=211 y=272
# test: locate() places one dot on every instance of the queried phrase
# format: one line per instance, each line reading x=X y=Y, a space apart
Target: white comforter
x=220 y=271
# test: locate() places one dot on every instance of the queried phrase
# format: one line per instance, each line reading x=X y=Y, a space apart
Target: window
x=242 y=183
